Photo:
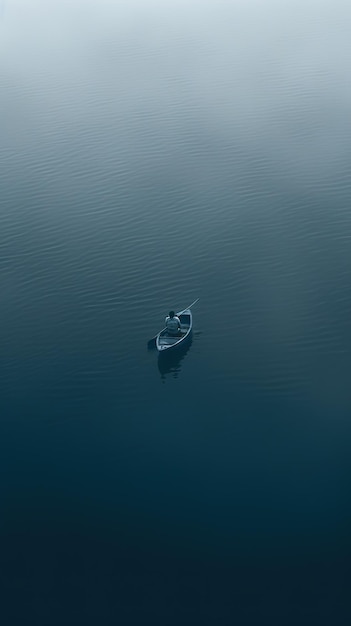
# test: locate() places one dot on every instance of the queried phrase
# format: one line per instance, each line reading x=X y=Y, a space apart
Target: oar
x=188 y=307
x=151 y=342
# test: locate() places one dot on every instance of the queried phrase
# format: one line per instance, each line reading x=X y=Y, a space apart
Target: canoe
x=164 y=341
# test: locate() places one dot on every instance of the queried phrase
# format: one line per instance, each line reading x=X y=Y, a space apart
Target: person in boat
x=173 y=324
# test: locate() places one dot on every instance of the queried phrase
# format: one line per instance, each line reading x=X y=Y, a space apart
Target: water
x=152 y=154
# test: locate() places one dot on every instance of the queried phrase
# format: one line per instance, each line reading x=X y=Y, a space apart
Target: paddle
x=151 y=342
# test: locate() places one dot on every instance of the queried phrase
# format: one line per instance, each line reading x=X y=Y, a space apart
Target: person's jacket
x=173 y=324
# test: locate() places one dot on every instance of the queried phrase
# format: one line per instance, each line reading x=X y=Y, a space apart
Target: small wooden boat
x=164 y=341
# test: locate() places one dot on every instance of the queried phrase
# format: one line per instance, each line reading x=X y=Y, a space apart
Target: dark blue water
x=152 y=153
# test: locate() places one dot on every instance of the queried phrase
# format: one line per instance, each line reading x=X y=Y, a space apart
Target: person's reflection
x=169 y=365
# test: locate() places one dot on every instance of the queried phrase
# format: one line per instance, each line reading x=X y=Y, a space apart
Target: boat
x=166 y=342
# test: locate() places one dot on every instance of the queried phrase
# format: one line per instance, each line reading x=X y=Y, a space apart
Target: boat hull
x=166 y=343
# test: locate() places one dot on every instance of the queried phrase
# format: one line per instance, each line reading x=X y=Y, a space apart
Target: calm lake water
x=152 y=153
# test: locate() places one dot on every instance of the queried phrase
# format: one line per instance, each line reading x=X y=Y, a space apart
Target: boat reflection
x=169 y=363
